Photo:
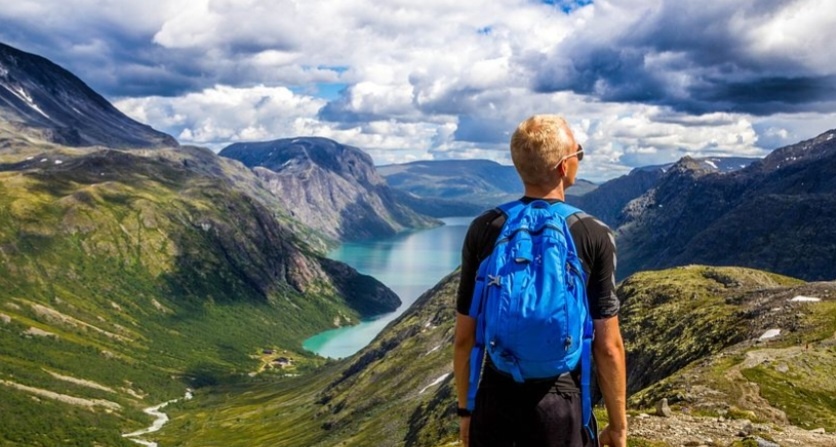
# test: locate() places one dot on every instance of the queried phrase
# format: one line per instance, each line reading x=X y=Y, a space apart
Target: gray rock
x=330 y=187
x=662 y=408
x=764 y=443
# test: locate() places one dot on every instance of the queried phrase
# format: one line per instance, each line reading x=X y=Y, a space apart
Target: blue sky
x=642 y=82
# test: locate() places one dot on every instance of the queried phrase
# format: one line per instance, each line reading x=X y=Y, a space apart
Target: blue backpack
x=530 y=303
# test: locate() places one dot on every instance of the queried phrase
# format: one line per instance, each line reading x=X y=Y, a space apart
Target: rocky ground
x=687 y=430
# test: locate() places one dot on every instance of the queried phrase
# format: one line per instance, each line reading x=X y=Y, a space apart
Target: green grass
x=807 y=392
x=153 y=279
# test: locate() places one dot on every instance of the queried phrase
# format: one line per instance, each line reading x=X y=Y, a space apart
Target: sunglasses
x=579 y=153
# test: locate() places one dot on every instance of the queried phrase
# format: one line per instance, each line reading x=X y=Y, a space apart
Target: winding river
x=408 y=263
x=160 y=419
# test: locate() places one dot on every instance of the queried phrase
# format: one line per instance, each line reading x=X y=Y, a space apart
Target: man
x=543 y=412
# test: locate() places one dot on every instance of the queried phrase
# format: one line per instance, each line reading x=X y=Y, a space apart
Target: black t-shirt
x=596 y=248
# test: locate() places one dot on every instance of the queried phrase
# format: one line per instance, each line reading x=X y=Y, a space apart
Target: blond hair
x=537 y=146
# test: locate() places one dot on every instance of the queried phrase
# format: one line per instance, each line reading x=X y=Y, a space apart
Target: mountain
x=399 y=391
x=444 y=188
x=608 y=200
x=734 y=343
x=777 y=214
x=42 y=100
x=718 y=164
x=127 y=277
x=130 y=276
x=331 y=187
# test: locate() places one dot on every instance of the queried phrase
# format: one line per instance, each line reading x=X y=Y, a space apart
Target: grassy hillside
x=785 y=379
x=689 y=332
x=396 y=391
x=125 y=279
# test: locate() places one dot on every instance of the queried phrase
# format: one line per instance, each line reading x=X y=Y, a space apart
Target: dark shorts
x=527 y=417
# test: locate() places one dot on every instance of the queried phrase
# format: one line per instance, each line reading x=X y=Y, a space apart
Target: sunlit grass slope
x=125 y=279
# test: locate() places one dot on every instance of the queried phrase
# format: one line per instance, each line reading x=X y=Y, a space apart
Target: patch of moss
x=806 y=392
x=642 y=442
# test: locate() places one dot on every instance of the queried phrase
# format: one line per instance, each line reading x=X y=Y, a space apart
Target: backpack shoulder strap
x=568 y=213
x=565 y=210
x=511 y=208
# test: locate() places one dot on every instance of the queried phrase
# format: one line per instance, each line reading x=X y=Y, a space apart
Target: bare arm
x=608 y=348
x=464 y=339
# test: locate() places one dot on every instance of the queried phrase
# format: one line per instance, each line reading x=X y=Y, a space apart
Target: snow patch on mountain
x=24 y=96
x=435 y=382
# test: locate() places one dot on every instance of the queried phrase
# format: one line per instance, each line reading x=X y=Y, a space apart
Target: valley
x=134 y=269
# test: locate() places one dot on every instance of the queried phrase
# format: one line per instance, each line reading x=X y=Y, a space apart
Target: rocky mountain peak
x=690 y=166
x=296 y=156
x=817 y=148
x=45 y=101
x=331 y=187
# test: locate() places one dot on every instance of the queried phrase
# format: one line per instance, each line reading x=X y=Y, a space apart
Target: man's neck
x=540 y=192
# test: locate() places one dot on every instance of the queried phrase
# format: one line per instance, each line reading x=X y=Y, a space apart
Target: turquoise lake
x=409 y=264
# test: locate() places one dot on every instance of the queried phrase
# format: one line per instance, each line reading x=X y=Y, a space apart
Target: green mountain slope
x=398 y=391
x=708 y=348
x=127 y=277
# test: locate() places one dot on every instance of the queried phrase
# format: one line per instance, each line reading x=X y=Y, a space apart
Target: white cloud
x=445 y=78
x=220 y=115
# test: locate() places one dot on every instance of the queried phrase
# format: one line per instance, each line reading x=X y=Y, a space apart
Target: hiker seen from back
x=536 y=306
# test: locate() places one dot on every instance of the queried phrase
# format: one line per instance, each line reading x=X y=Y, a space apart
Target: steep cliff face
x=41 y=99
x=200 y=234
x=777 y=214
x=607 y=202
x=331 y=187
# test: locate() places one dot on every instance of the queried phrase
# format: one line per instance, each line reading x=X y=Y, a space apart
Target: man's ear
x=561 y=168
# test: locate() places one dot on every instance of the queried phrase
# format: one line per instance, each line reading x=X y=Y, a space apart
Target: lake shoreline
x=409 y=263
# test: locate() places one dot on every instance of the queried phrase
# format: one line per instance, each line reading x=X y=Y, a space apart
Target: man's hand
x=464 y=430
x=613 y=438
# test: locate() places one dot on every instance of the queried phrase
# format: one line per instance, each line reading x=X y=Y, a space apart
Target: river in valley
x=409 y=264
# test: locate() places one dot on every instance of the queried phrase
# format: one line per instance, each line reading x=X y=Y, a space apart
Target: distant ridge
x=444 y=188
x=47 y=102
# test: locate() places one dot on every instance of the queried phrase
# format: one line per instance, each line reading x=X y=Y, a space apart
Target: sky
x=641 y=82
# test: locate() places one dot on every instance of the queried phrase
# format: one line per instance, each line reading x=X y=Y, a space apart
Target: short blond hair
x=537 y=146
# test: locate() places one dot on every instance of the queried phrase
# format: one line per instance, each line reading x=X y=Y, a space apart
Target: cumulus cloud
x=750 y=56
x=224 y=114
x=641 y=82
